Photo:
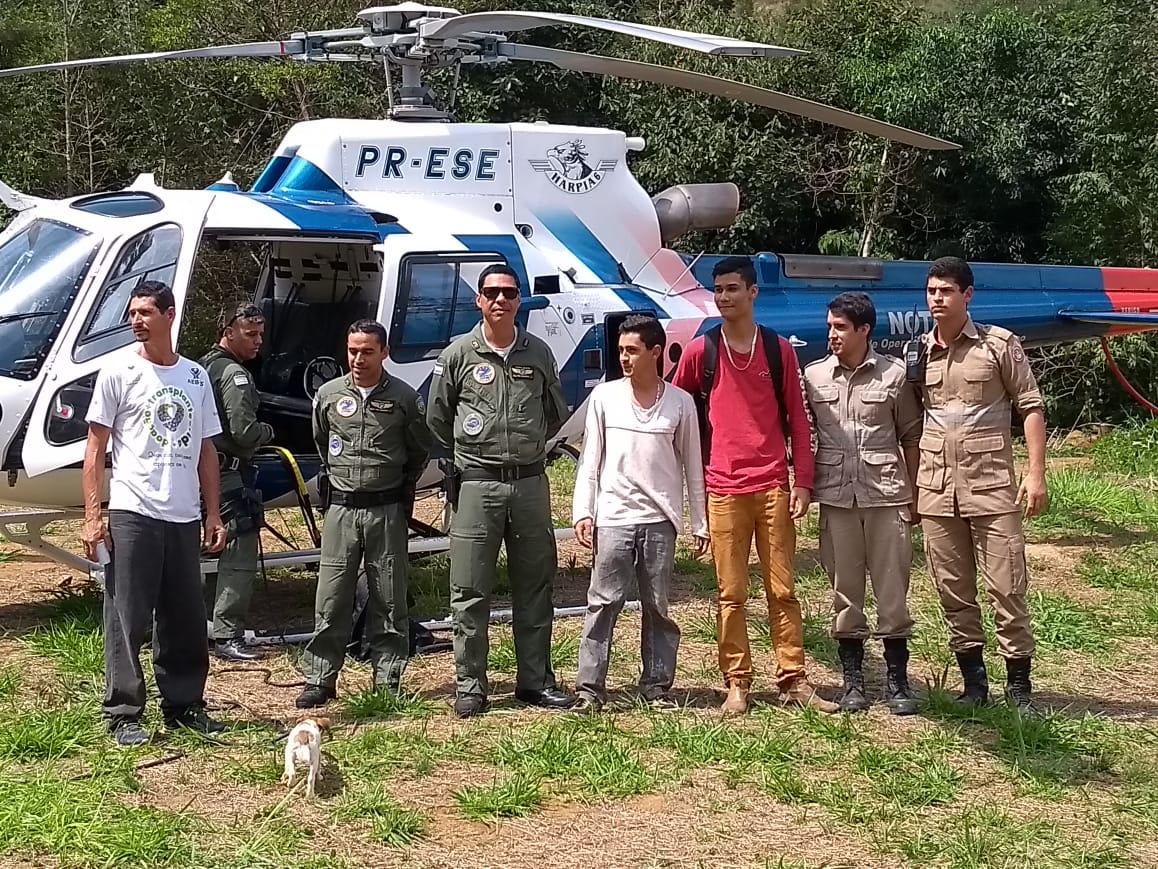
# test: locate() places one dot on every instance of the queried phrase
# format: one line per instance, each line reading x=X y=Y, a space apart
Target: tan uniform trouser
x=955 y=547
x=854 y=540
x=733 y=521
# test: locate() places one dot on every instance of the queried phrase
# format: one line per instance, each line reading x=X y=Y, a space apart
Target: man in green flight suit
x=495 y=404
x=370 y=430
x=241 y=333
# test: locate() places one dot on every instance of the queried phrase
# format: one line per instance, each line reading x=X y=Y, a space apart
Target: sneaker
x=661 y=701
x=130 y=734
x=315 y=695
x=193 y=718
x=585 y=705
x=802 y=694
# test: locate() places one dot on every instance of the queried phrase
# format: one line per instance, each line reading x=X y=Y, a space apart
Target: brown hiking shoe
x=737 y=702
x=801 y=693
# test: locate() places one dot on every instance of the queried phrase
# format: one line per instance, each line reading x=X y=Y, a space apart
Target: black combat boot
x=972 y=664
x=852 y=699
x=898 y=696
x=1017 y=687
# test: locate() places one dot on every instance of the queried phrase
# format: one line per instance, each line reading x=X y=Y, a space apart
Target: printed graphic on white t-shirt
x=159 y=416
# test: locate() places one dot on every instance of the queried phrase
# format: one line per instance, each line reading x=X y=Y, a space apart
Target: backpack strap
x=707 y=382
x=776 y=372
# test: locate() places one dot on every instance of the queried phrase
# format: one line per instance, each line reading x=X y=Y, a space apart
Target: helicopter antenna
x=417 y=38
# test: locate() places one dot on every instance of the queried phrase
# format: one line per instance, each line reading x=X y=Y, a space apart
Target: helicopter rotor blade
x=507 y=22
x=283 y=48
x=722 y=87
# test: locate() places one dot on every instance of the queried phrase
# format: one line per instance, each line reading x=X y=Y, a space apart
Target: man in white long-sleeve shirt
x=641 y=444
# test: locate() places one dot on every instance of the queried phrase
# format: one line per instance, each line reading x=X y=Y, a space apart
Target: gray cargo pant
x=626 y=557
x=353 y=537
x=155 y=572
x=236 y=565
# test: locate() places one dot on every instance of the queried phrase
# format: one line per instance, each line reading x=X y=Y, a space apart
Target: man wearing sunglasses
x=495 y=405
x=241 y=333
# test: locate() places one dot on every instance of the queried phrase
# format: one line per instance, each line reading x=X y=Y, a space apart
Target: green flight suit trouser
x=375 y=537
x=488 y=514
x=236 y=568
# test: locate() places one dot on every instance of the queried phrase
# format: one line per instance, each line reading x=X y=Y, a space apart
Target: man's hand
x=702 y=544
x=1033 y=494
x=798 y=502
x=214 y=540
x=95 y=530
x=583 y=529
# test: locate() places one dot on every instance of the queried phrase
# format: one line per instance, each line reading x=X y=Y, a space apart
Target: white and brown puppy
x=303 y=747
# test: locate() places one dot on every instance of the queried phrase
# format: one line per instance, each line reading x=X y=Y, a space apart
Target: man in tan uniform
x=868 y=424
x=968 y=496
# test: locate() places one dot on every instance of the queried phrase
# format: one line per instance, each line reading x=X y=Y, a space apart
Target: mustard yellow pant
x=733 y=521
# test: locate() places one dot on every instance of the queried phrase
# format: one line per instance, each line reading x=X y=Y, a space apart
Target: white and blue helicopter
x=394 y=219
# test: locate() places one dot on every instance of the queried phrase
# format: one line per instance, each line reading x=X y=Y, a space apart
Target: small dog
x=303 y=747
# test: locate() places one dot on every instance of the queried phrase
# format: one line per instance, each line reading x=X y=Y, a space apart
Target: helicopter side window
x=150 y=256
x=42 y=267
x=435 y=302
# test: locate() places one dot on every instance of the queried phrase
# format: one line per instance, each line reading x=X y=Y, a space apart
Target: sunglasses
x=244 y=312
x=492 y=293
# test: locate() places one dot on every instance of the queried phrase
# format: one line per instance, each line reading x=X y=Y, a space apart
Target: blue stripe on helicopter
x=1026 y=299
x=505 y=245
x=322 y=218
x=575 y=235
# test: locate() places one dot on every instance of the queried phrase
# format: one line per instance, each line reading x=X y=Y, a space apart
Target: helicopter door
x=152 y=239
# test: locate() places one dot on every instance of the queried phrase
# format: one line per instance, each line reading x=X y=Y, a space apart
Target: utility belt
x=232 y=463
x=506 y=474
x=368 y=499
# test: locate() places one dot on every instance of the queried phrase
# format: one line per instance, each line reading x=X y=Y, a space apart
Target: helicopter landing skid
x=25 y=528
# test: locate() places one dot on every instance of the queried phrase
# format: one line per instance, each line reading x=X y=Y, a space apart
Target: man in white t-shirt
x=159 y=411
x=641 y=445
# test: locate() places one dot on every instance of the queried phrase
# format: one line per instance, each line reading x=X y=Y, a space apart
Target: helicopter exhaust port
x=688 y=208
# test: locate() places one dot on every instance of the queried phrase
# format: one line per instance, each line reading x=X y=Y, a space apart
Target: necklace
x=751 y=351
x=647 y=413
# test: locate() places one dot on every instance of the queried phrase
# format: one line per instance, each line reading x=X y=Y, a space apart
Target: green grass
x=1131 y=451
x=9 y=683
x=590 y=754
x=1085 y=501
x=377 y=752
x=1134 y=568
x=390 y=823
x=373 y=705
x=29 y=736
x=83 y=824
x=70 y=634
x=564 y=651
x=513 y=797
x=1060 y=623
x=910 y=776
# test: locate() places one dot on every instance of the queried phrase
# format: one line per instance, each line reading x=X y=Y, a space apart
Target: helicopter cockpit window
x=41 y=270
x=435 y=302
x=150 y=256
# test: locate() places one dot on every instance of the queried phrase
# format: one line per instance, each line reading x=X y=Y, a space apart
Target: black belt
x=367 y=499
x=505 y=474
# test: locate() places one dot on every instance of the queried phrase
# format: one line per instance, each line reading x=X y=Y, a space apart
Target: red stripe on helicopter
x=1131 y=291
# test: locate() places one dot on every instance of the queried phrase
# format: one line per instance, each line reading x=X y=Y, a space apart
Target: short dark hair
x=160 y=292
x=498 y=269
x=952 y=268
x=369 y=327
x=740 y=265
x=244 y=311
x=857 y=308
x=648 y=329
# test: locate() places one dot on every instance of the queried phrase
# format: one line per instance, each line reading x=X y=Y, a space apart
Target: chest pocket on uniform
x=823 y=400
x=874 y=404
x=974 y=377
x=525 y=386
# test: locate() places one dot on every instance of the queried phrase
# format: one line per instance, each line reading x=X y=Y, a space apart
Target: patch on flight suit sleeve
x=1017 y=353
x=240 y=379
x=421 y=404
x=438 y=369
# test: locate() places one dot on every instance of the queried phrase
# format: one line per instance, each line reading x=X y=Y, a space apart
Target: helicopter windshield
x=41 y=270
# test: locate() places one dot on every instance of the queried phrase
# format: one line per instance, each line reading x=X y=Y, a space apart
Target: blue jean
x=626 y=557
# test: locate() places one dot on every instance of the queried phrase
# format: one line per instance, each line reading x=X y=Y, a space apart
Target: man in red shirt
x=748 y=487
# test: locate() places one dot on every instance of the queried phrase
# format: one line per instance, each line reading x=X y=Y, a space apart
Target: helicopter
x=395 y=218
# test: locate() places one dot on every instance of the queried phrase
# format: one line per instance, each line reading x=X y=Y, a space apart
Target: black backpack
x=775 y=370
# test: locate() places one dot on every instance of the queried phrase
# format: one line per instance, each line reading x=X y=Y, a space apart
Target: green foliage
x=390 y=822
x=516 y=796
x=1131 y=450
